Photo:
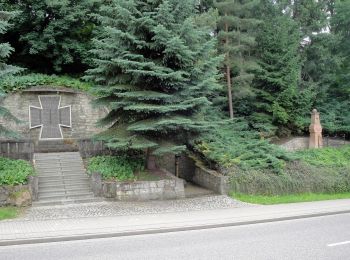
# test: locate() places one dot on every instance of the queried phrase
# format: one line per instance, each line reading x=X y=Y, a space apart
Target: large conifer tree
x=237 y=26
x=278 y=97
x=55 y=33
x=5 y=69
x=154 y=69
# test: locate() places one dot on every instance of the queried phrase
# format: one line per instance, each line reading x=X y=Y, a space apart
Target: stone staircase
x=62 y=179
x=55 y=146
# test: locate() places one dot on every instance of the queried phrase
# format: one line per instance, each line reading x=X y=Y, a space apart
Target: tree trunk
x=229 y=90
x=228 y=75
x=150 y=163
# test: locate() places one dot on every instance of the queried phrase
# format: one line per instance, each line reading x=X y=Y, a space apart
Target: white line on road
x=339 y=244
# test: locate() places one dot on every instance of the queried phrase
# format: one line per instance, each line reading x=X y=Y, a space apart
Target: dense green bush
x=15 y=83
x=324 y=170
x=330 y=156
x=233 y=144
x=14 y=172
x=298 y=177
x=116 y=167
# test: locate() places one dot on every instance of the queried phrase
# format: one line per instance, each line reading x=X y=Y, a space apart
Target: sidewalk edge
x=161 y=230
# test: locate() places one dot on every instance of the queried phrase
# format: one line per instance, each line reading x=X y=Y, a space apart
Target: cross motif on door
x=50 y=117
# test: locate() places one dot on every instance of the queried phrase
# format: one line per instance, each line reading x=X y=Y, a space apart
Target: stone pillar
x=315 y=130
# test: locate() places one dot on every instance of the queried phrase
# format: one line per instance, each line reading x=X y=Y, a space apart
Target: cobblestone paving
x=103 y=209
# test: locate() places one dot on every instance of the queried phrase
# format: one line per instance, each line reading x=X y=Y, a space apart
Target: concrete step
x=63 y=174
x=69 y=157
x=47 y=162
x=58 y=157
x=57 y=154
x=62 y=179
x=48 y=182
x=65 y=192
x=65 y=201
x=52 y=181
x=59 y=169
x=65 y=196
x=59 y=163
x=75 y=188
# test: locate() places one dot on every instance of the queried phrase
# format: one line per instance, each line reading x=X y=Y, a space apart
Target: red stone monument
x=315 y=130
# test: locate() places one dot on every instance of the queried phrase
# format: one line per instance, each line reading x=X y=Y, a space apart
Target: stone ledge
x=172 y=188
x=19 y=195
x=211 y=179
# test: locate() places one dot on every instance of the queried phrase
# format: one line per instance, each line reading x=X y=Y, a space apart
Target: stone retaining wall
x=84 y=114
x=186 y=165
x=17 y=149
x=211 y=180
x=302 y=143
x=89 y=148
x=19 y=195
x=194 y=172
x=172 y=188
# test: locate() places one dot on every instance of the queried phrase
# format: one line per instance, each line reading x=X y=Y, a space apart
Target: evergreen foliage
x=236 y=39
x=279 y=99
x=5 y=69
x=333 y=75
x=155 y=69
x=5 y=48
x=56 y=34
x=234 y=145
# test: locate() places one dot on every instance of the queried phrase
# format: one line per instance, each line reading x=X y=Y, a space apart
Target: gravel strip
x=105 y=208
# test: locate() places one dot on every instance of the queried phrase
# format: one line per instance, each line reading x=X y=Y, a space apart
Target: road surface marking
x=339 y=244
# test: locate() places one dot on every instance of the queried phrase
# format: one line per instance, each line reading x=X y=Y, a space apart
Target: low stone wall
x=187 y=165
x=172 y=188
x=19 y=195
x=211 y=180
x=302 y=143
x=17 y=149
x=33 y=183
x=194 y=172
x=89 y=148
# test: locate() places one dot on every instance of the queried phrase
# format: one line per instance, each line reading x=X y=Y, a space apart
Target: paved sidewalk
x=120 y=208
x=21 y=232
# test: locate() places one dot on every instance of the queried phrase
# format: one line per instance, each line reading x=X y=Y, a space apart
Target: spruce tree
x=154 y=69
x=340 y=26
x=56 y=34
x=278 y=98
x=5 y=70
x=237 y=26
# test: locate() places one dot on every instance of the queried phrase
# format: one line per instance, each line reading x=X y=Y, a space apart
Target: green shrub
x=330 y=156
x=15 y=83
x=298 y=177
x=14 y=172
x=233 y=144
x=116 y=167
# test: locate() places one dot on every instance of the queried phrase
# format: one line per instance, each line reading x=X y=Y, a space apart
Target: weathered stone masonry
x=84 y=114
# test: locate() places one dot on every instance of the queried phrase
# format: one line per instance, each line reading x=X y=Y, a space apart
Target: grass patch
x=329 y=156
x=292 y=198
x=8 y=213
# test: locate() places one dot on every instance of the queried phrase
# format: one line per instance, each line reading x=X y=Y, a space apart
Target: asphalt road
x=314 y=238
